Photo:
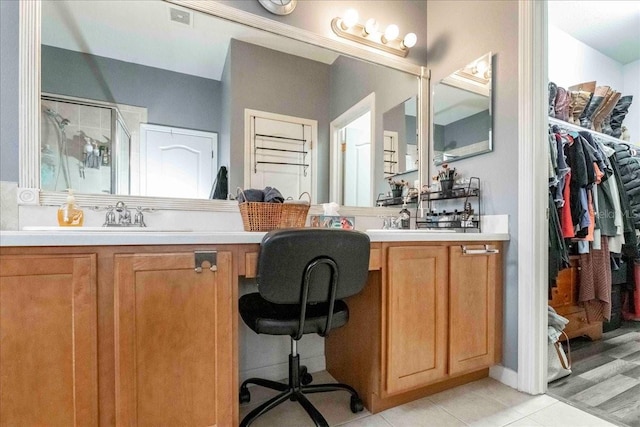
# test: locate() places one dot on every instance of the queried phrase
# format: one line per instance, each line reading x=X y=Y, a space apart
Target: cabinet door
x=174 y=341
x=474 y=280
x=48 y=356
x=416 y=321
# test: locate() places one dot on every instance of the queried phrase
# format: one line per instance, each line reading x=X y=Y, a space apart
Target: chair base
x=295 y=391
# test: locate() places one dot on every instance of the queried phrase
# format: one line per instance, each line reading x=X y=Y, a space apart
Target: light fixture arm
x=356 y=33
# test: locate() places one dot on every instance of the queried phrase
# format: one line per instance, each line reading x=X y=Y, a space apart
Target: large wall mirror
x=462 y=119
x=115 y=78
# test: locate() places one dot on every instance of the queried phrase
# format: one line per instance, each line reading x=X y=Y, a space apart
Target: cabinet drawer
x=251 y=262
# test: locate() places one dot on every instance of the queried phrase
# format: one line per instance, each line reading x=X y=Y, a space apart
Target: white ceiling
x=611 y=27
x=139 y=31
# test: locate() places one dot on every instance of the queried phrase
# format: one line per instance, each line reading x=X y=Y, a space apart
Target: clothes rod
x=569 y=126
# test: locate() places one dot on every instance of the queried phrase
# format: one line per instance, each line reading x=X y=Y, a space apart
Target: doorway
x=352 y=145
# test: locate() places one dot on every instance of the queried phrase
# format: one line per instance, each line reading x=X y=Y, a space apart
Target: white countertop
x=54 y=236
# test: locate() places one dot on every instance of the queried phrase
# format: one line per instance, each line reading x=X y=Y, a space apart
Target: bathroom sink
x=104 y=229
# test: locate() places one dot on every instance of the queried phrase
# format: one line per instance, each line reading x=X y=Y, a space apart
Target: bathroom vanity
x=142 y=328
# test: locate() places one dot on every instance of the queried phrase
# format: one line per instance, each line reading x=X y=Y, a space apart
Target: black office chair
x=302 y=276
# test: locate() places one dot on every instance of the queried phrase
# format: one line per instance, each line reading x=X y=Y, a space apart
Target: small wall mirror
x=462 y=119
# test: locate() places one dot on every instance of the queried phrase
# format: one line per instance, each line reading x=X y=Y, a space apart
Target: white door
x=356 y=189
x=280 y=152
x=352 y=153
x=177 y=162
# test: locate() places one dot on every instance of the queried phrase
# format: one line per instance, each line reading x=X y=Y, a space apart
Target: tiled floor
x=481 y=403
x=606 y=376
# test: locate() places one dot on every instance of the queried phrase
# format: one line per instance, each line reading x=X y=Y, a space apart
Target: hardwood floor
x=606 y=376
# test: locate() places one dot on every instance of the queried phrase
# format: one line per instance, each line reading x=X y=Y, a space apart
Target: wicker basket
x=294 y=215
x=262 y=216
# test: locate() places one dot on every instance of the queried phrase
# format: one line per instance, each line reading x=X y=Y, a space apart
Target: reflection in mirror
x=189 y=71
x=401 y=139
x=462 y=120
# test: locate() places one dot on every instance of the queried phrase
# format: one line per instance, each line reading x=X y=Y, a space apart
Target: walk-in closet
x=594 y=207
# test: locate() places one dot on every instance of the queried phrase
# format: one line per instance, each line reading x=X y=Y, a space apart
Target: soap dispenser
x=405 y=216
x=69 y=214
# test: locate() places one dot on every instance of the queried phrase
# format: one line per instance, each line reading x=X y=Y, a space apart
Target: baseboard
x=281 y=370
x=504 y=375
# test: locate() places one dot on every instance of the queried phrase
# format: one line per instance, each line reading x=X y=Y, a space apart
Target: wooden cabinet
x=432 y=317
x=174 y=343
x=416 y=316
x=48 y=335
x=564 y=299
x=475 y=308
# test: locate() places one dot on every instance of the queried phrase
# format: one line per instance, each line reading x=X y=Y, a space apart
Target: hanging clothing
x=595 y=283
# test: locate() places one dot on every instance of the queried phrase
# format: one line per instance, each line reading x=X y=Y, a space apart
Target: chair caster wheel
x=356 y=404
x=305 y=377
x=245 y=396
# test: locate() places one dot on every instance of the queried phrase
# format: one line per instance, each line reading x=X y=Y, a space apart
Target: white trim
x=506 y=376
x=532 y=198
x=29 y=94
x=366 y=104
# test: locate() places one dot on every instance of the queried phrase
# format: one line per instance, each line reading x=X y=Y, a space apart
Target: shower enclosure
x=84 y=146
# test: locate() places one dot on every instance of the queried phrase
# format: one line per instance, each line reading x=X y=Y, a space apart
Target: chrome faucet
x=123 y=218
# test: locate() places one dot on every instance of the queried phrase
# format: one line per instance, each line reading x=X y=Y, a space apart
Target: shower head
x=60 y=121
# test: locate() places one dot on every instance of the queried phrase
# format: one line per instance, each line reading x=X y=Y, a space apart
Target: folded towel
x=272 y=195
x=251 y=195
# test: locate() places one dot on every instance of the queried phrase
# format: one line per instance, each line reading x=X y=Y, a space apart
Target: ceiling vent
x=180 y=16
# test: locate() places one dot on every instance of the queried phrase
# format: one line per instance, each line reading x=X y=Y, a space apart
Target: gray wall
x=267 y=80
x=463 y=132
x=352 y=80
x=172 y=99
x=482 y=26
x=394 y=120
x=9 y=161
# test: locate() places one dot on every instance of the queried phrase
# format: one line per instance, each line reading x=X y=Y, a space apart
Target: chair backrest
x=285 y=255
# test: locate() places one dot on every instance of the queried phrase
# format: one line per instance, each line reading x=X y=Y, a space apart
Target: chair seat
x=264 y=317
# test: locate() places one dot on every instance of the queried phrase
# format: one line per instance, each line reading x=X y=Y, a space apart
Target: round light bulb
x=410 y=40
x=350 y=18
x=481 y=67
x=371 y=26
x=392 y=31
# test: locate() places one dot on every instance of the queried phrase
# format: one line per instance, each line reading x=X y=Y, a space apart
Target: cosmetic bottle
x=69 y=214
x=405 y=217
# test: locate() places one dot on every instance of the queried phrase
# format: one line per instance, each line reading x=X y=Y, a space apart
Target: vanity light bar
x=368 y=35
